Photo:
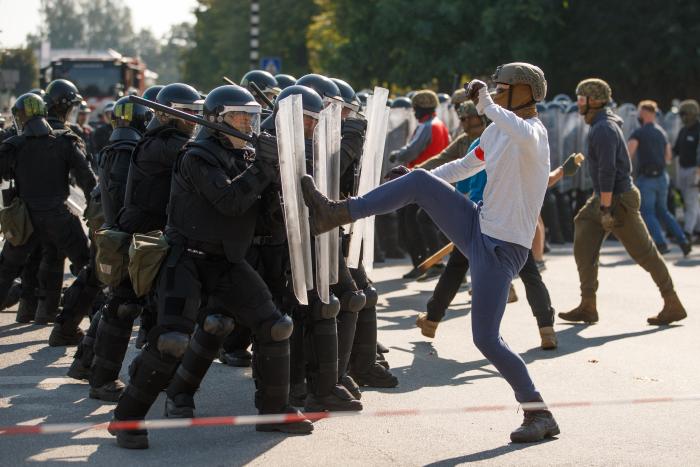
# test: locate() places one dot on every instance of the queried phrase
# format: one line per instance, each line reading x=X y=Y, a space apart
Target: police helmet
x=284 y=81
x=129 y=114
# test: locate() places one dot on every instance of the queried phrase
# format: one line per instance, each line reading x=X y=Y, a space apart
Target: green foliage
x=221 y=39
x=24 y=61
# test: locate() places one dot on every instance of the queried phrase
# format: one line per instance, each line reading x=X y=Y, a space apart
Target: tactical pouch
x=93 y=214
x=112 y=257
x=146 y=254
x=15 y=223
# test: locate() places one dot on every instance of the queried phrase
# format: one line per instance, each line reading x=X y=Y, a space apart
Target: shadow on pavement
x=429 y=370
x=485 y=455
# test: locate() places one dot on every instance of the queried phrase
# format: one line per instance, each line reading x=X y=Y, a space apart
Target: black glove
x=354 y=125
x=396 y=172
x=266 y=148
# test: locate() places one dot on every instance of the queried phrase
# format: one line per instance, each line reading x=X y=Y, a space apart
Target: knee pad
x=371 y=295
x=218 y=325
x=353 y=301
x=277 y=329
x=320 y=310
x=128 y=311
x=173 y=344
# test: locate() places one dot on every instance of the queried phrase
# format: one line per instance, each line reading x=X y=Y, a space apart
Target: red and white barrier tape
x=313 y=416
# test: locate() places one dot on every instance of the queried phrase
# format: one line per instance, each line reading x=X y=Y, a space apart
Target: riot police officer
x=39 y=160
x=264 y=81
x=116 y=318
x=284 y=81
x=212 y=211
x=147 y=191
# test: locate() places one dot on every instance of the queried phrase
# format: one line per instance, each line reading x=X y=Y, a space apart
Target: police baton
x=192 y=118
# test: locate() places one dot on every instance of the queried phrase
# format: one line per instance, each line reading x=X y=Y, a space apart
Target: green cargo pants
x=629 y=229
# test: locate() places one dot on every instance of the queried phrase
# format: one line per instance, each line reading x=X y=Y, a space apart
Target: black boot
x=150 y=372
x=82 y=362
x=26 y=309
x=271 y=373
x=47 y=308
x=537 y=425
x=14 y=295
x=324 y=214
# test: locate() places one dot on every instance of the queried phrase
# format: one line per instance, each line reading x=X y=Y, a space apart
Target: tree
x=61 y=24
x=22 y=60
x=108 y=25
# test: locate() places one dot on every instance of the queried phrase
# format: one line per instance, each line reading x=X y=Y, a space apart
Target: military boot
x=239 y=358
x=537 y=425
x=377 y=376
x=13 y=296
x=427 y=327
x=549 y=338
x=109 y=392
x=352 y=387
x=586 y=312
x=180 y=406
x=47 y=309
x=129 y=439
x=26 y=310
x=673 y=310
x=300 y=426
x=79 y=371
x=324 y=214
x=338 y=399
x=297 y=394
x=63 y=335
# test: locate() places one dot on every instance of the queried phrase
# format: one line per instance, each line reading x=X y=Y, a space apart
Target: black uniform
x=136 y=176
x=111 y=330
x=40 y=161
x=211 y=223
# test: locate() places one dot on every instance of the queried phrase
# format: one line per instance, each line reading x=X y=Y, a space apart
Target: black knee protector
x=372 y=296
x=218 y=325
x=128 y=311
x=277 y=329
x=320 y=310
x=353 y=301
x=173 y=344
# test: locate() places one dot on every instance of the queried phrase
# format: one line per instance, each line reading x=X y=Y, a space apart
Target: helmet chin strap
x=510 y=101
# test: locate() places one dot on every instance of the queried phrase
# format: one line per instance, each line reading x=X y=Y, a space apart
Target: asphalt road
x=621 y=357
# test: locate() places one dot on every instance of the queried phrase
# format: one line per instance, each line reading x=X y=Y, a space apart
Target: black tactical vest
x=148 y=184
x=193 y=217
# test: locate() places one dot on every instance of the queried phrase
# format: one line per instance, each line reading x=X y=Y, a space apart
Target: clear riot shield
x=628 y=113
x=398 y=134
x=671 y=122
x=333 y=139
x=321 y=173
x=290 y=144
x=372 y=155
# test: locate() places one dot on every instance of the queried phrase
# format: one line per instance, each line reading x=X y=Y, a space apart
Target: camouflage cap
x=459 y=96
x=523 y=73
x=425 y=99
x=467 y=109
x=690 y=106
x=594 y=88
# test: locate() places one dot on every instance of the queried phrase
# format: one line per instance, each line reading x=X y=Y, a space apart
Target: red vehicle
x=101 y=78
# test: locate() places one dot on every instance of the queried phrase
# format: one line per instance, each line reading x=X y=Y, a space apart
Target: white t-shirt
x=515 y=154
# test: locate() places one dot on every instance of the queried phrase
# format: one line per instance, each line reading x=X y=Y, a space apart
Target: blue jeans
x=654 y=192
x=494 y=263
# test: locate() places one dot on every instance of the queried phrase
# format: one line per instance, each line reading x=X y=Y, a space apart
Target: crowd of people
x=184 y=229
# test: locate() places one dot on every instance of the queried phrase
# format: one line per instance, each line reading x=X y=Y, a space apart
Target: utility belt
x=651 y=171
